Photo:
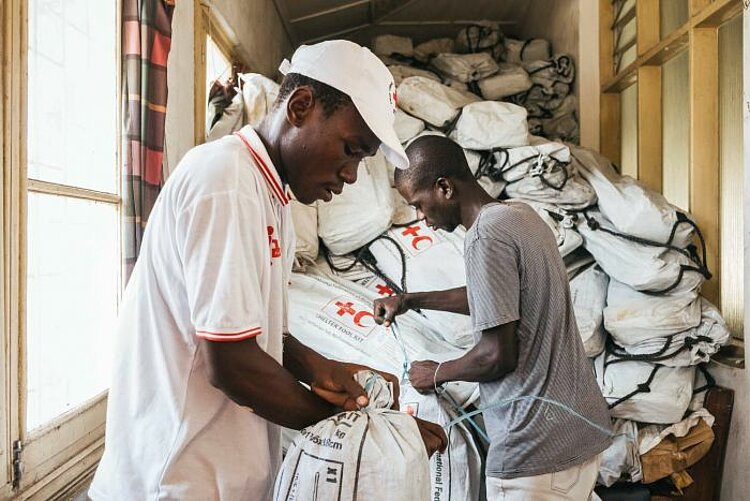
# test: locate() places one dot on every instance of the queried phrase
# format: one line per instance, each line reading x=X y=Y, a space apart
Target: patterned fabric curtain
x=146 y=38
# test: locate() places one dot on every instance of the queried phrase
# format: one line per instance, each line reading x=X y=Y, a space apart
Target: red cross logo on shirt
x=273 y=243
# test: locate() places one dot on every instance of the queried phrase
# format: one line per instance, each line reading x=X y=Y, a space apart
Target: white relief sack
x=358 y=455
x=645 y=392
x=431 y=101
x=588 y=291
x=621 y=460
x=510 y=79
x=455 y=473
x=483 y=36
x=491 y=124
x=553 y=183
x=406 y=126
x=646 y=268
x=334 y=317
x=518 y=51
x=562 y=225
x=431 y=48
x=689 y=347
x=629 y=206
x=633 y=317
x=229 y=122
x=388 y=45
x=361 y=212
x=401 y=71
x=305 y=220
x=493 y=187
x=258 y=95
x=434 y=260
x=465 y=67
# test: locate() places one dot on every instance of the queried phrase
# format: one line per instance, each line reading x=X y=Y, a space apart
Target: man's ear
x=300 y=105
x=445 y=187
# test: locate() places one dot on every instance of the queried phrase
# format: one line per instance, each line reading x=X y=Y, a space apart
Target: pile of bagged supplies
x=635 y=262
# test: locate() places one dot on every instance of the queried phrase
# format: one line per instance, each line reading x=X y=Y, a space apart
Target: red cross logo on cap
x=392 y=96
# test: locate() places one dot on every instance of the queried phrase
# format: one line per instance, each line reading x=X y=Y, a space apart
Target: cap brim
x=390 y=145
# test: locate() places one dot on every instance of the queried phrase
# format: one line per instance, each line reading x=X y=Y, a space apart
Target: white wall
x=254 y=26
x=736 y=480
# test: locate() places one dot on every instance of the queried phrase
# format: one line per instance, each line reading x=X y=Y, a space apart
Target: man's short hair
x=331 y=99
x=430 y=158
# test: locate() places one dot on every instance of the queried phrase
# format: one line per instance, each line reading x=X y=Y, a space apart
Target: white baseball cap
x=358 y=73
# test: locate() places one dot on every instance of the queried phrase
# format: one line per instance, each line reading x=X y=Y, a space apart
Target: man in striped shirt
x=528 y=351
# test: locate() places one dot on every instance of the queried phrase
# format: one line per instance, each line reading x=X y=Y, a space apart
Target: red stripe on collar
x=273 y=183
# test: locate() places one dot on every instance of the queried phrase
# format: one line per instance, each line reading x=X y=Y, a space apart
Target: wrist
x=407 y=302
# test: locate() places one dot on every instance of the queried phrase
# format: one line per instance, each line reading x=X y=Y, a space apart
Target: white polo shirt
x=215 y=263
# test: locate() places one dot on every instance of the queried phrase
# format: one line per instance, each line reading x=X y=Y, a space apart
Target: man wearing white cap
x=204 y=371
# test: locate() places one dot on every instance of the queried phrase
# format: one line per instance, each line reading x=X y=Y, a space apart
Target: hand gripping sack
x=465 y=67
x=427 y=260
x=510 y=79
x=456 y=472
x=646 y=268
x=358 y=455
x=588 y=291
x=689 y=347
x=491 y=124
x=633 y=317
x=621 y=460
x=517 y=51
x=258 y=95
x=562 y=224
x=388 y=45
x=630 y=207
x=362 y=211
x=431 y=101
x=644 y=392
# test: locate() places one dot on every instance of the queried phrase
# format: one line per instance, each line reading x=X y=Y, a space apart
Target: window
x=61 y=241
x=687 y=143
x=215 y=59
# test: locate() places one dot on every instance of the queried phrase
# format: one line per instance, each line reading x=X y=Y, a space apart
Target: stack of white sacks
x=482 y=64
x=635 y=263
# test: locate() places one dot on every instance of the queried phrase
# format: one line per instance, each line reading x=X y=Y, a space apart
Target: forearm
x=260 y=383
x=452 y=300
x=481 y=364
x=300 y=360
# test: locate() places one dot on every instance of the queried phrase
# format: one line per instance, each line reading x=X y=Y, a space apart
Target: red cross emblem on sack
x=351 y=315
x=418 y=242
x=273 y=243
x=384 y=290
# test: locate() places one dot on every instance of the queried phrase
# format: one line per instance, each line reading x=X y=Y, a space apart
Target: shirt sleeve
x=493 y=283
x=223 y=245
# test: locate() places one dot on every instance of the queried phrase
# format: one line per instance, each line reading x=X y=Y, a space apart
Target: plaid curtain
x=146 y=38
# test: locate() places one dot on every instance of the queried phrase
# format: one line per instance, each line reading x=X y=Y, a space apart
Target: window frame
x=57 y=457
x=208 y=24
x=698 y=36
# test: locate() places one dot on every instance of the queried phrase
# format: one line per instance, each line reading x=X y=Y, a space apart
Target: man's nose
x=349 y=172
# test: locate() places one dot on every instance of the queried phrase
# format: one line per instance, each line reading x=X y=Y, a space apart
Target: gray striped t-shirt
x=515 y=272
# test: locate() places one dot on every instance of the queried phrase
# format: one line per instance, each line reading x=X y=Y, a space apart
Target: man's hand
x=433 y=436
x=334 y=382
x=386 y=309
x=422 y=375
